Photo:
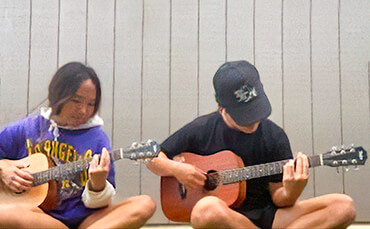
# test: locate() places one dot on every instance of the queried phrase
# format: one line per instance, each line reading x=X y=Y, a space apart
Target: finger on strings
x=289 y=168
x=306 y=165
x=15 y=186
x=23 y=166
x=23 y=182
x=95 y=161
x=105 y=159
x=204 y=174
x=299 y=164
x=24 y=174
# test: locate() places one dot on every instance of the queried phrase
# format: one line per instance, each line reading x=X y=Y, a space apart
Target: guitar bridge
x=182 y=190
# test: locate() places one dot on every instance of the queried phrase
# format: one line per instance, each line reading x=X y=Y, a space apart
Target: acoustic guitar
x=44 y=189
x=226 y=178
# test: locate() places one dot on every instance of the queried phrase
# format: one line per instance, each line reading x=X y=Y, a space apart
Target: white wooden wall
x=156 y=60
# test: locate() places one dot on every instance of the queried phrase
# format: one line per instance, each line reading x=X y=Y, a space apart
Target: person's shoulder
x=205 y=119
x=273 y=131
x=269 y=127
x=26 y=122
x=198 y=125
x=267 y=123
x=96 y=130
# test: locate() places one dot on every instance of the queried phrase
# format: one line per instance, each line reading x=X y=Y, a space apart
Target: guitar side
x=36 y=195
x=177 y=201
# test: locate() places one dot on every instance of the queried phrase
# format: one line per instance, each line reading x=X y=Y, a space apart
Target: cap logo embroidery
x=245 y=94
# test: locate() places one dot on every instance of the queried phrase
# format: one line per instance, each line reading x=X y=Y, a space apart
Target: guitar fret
x=253 y=172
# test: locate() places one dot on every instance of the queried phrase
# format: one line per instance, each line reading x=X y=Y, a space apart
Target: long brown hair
x=65 y=83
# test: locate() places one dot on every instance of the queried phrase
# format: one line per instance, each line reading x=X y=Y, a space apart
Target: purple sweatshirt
x=36 y=134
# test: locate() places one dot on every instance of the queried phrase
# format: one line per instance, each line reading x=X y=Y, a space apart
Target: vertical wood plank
x=212 y=50
x=355 y=56
x=72 y=31
x=268 y=53
x=44 y=47
x=14 y=59
x=326 y=91
x=240 y=30
x=155 y=114
x=297 y=81
x=127 y=93
x=100 y=46
x=184 y=63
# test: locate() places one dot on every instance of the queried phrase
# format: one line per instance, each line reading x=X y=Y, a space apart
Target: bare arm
x=294 y=181
x=186 y=174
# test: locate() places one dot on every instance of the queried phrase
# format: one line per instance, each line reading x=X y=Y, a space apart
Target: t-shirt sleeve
x=183 y=140
x=282 y=150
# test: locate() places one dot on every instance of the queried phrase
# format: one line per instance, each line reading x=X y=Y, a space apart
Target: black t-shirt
x=209 y=134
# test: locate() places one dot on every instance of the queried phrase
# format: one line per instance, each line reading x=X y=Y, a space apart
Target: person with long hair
x=67 y=130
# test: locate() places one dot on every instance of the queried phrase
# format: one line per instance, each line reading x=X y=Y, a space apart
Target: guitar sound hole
x=212 y=180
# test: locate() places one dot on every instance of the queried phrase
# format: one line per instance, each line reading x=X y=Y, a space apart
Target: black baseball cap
x=239 y=90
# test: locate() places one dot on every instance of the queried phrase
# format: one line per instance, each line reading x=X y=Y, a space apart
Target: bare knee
x=9 y=215
x=145 y=207
x=345 y=208
x=208 y=212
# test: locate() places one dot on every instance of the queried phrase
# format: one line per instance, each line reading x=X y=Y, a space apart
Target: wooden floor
x=167 y=226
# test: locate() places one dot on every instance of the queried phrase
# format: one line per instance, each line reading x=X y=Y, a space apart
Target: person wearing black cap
x=241 y=125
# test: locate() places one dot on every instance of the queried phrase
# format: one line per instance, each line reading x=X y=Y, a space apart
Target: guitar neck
x=65 y=171
x=262 y=170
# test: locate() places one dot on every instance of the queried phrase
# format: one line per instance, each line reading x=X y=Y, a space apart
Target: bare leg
x=212 y=212
x=327 y=211
x=21 y=216
x=132 y=213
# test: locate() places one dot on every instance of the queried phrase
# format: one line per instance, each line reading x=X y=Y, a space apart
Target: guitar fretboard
x=256 y=171
x=64 y=171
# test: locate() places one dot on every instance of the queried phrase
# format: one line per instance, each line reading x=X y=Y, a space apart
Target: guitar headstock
x=142 y=151
x=345 y=156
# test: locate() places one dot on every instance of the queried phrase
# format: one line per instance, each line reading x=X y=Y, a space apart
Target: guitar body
x=45 y=192
x=36 y=196
x=178 y=201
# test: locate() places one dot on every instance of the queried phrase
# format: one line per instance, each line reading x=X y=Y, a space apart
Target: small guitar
x=226 y=178
x=43 y=193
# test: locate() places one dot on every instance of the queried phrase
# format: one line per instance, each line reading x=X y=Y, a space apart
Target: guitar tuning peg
x=147 y=160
